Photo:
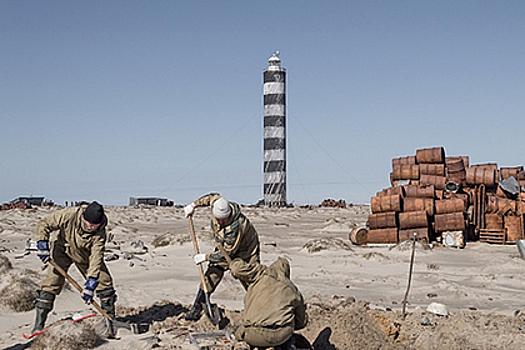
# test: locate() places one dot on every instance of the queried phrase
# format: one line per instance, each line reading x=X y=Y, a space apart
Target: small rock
x=438 y=309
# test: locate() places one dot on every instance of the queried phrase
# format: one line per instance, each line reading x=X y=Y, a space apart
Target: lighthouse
x=274 y=164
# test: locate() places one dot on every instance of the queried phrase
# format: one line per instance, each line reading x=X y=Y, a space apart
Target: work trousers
x=215 y=272
x=264 y=337
x=54 y=282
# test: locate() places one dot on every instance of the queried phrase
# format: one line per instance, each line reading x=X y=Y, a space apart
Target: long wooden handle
x=79 y=288
x=196 y=248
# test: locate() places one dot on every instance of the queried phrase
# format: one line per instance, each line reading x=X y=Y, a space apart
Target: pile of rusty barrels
x=333 y=203
x=15 y=205
x=436 y=197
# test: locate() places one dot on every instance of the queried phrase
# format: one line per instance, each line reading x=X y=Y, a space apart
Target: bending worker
x=80 y=240
x=273 y=306
x=234 y=232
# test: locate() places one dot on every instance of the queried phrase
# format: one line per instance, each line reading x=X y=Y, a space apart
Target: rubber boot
x=108 y=297
x=43 y=305
x=195 y=313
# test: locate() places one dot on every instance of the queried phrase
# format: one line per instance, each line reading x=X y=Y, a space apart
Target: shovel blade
x=212 y=311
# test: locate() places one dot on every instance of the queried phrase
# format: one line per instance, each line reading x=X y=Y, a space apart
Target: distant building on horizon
x=36 y=201
x=274 y=164
x=156 y=201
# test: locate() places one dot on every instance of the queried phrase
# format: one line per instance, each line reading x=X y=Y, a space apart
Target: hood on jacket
x=281 y=267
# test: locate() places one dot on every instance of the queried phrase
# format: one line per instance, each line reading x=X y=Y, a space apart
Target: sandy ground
x=354 y=293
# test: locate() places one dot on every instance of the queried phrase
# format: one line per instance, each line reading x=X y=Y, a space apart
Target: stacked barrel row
x=432 y=194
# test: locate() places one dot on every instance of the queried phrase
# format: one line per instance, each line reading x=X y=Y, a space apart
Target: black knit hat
x=94 y=213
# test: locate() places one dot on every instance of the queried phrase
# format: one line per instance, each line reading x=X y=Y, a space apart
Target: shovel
x=112 y=325
x=211 y=310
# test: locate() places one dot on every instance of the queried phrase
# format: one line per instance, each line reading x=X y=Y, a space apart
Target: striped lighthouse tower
x=274 y=132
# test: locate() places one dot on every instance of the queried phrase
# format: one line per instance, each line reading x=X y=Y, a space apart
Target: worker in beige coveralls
x=80 y=240
x=237 y=235
x=273 y=306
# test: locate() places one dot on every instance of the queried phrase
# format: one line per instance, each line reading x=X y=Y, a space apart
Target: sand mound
x=67 y=335
x=317 y=245
x=349 y=325
x=170 y=239
x=421 y=246
x=346 y=325
x=17 y=287
x=5 y=264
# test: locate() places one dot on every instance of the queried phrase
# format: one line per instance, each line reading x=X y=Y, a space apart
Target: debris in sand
x=170 y=239
x=319 y=244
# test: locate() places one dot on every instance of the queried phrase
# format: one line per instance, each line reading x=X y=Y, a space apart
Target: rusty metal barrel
x=413 y=219
x=358 y=235
x=432 y=169
x=450 y=222
x=384 y=235
x=430 y=155
x=456 y=163
x=500 y=205
x=481 y=176
x=381 y=204
x=405 y=172
x=437 y=181
x=493 y=222
x=456 y=170
x=447 y=206
x=465 y=197
x=420 y=191
x=513 y=227
x=422 y=234
x=382 y=220
x=517 y=172
x=419 y=204
x=400 y=190
x=403 y=160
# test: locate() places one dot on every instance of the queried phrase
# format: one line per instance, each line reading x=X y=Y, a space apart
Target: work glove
x=89 y=290
x=43 y=250
x=199 y=258
x=189 y=209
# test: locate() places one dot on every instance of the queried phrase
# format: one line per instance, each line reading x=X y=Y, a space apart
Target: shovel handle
x=78 y=287
x=197 y=251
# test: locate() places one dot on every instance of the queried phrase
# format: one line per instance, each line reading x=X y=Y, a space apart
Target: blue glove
x=43 y=250
x=89 y=289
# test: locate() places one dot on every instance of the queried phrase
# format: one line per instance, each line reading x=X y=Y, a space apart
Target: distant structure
x=274 y=164
x=37 y=201
x=159 y=202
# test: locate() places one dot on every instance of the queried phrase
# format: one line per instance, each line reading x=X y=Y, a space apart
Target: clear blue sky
x=110 y=99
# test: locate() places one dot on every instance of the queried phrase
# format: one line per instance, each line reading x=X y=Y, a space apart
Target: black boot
x=196 y=309
x=108 y=297
x=287 y=345
x=43 y=305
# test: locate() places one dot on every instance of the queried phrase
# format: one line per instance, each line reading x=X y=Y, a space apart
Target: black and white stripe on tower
x=274 y=133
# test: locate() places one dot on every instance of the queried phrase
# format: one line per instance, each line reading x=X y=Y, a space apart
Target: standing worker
x=234 y=232
x=80 y=239
x=273 y=306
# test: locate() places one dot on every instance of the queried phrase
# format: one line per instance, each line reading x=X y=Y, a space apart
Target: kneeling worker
x=273 y=306
x=80 y=239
